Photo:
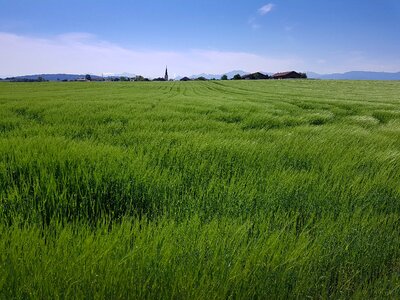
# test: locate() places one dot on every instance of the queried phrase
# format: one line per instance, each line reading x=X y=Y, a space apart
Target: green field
x=200 y=190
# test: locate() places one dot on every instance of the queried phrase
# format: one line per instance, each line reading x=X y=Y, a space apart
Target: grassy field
x=194 y=190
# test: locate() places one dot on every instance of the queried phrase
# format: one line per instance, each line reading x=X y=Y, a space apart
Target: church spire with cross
x=166 y=73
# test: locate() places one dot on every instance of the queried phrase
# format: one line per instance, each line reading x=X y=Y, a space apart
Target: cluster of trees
x=303 y=75
x=235 y=77
x=140 y=78
x=16 y=79
x=121 y=78
x=259 y=75
x=253 y=76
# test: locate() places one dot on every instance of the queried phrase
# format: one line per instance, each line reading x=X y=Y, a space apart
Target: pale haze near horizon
x=191 y=37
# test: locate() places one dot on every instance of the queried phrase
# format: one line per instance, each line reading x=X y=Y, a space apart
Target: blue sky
x=191 y=37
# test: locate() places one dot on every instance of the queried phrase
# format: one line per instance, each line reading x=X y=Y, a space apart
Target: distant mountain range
x=217 y=76
x=353 y=75
x=356 y=75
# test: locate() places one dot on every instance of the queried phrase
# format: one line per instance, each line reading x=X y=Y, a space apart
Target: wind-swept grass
x=269 y=189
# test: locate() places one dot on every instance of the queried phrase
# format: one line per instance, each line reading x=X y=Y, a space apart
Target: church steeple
x=166 y=73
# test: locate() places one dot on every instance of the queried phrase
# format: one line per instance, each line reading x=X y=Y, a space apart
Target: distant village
x=256 y=76
x=88 y=77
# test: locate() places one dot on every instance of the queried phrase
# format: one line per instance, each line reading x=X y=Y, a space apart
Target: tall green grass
x=269 y=189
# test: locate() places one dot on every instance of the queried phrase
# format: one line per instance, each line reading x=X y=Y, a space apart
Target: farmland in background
x=219 y=189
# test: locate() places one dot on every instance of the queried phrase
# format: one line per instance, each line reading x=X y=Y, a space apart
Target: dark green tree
x=224 y=77
x=139 y=78
x=303 y=75
x=237 y=77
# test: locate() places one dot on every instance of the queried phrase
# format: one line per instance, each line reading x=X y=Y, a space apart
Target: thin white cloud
x=84 y=53
x=266 y=9
x=253 y=23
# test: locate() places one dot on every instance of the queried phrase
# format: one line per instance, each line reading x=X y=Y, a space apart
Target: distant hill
x=53 y=77
x=356 y=75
